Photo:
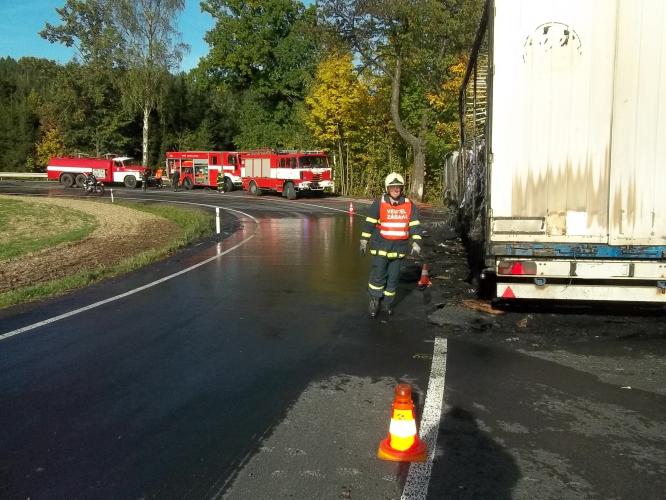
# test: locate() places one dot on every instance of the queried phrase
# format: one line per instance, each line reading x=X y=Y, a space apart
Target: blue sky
x=21 y=20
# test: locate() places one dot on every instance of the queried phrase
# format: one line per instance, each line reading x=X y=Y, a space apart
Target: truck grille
x=316 y=178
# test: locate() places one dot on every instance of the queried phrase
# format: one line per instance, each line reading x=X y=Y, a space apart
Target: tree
x=412 y=42
x=336 y=102
x=149 y=53
x=265 y=53
x=24 y=85
x=50 y=144
x=134 y=36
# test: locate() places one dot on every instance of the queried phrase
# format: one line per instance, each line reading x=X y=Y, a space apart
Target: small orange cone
x=351 y=207
x=402 y=443
x=424 y=281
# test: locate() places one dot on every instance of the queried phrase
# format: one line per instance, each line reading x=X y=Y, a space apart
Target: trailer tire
x=228 y=185
x=289 y=191
x=79 y=180
x=254 y=189
x=187 y=183
x=67 y=180
x=130 y=181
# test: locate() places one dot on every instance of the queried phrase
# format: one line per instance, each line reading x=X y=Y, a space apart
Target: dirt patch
x=122 y=233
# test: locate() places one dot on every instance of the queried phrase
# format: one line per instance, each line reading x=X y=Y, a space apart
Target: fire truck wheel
x=228 y=185
x=130 y=181
x=187 y=183
x=254 y=189
x=67 y=180
x=79 y=180
x=289 y=191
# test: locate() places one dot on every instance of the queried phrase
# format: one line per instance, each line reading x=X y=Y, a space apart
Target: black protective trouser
x=384 y=276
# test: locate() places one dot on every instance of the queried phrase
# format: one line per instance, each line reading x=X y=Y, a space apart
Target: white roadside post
x=111 y=195
x=217 y=220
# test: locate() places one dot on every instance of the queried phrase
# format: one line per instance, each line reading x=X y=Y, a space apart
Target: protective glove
x=416 y=249
x=364 y=247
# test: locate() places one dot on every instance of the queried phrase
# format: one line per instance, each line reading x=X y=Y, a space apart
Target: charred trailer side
x=563 y=120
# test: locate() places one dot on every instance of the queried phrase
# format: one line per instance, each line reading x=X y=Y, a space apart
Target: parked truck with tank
x=71 y=170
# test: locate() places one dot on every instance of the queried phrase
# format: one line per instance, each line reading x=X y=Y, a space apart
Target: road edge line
x=418 y=478
x=94 y=305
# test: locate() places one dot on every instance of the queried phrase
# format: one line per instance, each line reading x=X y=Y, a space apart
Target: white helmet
x=394 y=179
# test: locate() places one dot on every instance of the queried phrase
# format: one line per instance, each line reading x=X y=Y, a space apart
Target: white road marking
x=418 y=478
x=45 y=322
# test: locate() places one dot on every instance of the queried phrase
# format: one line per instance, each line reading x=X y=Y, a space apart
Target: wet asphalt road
x=258 y=375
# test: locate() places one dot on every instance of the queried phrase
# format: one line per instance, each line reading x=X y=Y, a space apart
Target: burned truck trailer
x=563 y=127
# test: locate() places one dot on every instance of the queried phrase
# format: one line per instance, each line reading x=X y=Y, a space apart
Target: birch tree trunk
x=146 y=117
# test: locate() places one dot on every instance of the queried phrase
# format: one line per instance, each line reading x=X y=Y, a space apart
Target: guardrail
x=22 y=175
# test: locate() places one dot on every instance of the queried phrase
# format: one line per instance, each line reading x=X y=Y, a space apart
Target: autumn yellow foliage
x=336 y=100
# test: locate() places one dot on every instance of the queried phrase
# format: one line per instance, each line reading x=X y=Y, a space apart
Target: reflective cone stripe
x=402 y=430
x=351 y=208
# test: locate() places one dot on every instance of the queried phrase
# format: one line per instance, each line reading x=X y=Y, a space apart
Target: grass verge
x=194 y=224
x=30 y=227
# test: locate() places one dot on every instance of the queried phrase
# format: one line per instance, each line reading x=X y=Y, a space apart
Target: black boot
x=373 y=307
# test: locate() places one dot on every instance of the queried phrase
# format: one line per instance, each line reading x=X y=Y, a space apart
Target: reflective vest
x=394 y=220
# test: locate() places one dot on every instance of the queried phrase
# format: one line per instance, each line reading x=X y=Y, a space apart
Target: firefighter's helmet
x=394 y=179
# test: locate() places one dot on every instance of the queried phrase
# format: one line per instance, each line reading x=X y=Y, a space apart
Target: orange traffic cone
x=402 y=443
x=424 y=281
x=351 y=207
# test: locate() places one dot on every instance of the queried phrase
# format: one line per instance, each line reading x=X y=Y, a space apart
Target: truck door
x=201 y=172
x=637 y=212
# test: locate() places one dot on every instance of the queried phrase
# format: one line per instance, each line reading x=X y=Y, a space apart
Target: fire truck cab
x=204 y=168
x=286 y=172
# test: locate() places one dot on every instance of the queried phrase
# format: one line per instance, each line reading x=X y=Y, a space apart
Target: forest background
x=375 y=83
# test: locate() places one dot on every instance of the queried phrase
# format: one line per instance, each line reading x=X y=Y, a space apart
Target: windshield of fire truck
x=123 y=161
x=313 y=162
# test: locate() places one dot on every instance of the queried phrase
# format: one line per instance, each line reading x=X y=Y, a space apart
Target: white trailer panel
x=638 y=153
x=552 y=95
x=582 y=292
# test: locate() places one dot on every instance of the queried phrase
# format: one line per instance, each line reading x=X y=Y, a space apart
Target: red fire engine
x=286 y=172
x=70 y=170
x=202 y=168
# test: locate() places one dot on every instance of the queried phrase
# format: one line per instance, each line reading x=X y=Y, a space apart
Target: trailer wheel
x=289 y=191
x=79 y=180
x=67 y=180
x=254 y=189
x=130 y=181
x=228 y=185
x=187 y=183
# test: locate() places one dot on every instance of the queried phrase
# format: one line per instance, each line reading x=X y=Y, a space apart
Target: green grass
x=30 y=227
x=194 y=224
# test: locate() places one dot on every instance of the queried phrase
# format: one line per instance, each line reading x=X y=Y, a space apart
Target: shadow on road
x=469 y=464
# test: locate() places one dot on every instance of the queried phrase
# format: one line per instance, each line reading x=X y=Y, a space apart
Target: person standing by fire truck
x=391 y=223
x=175 y=178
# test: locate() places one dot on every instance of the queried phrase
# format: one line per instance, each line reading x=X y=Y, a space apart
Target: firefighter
x=392 y=222
x=144 y=179
x=175 y=177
